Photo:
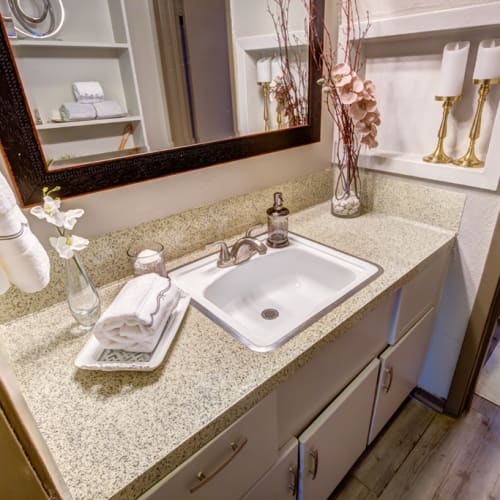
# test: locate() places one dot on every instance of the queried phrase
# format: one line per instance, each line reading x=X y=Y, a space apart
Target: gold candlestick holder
x=439 y=156
x=265 y=92
x=469 y=159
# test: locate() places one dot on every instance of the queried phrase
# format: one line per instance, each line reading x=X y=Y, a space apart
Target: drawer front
x=420 y=294
x=230 y=464
x=281 y=482
x=400 y=369
x=332 y=443
x=307 y=392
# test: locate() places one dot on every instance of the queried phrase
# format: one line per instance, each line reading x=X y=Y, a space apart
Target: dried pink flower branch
x=350 y=100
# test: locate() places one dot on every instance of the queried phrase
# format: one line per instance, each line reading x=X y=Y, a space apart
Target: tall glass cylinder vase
x=81 y=294
x=346 y=201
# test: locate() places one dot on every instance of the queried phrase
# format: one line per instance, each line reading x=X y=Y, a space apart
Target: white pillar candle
x=488 y=60
x=453 y=66
x=276 y=67
x=264 y=70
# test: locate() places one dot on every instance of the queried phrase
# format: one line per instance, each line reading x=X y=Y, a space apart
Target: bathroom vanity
x=225 y=421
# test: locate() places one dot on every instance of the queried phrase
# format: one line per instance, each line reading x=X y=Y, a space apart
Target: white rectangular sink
x=270 y=298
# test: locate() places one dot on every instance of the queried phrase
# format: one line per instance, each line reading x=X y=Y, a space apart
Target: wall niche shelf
x=247 y=51
x=94 y=44
x=406 y=73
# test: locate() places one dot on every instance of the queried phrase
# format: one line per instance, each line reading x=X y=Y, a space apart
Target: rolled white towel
x=76 y=111
x=137 y=317
x=88 y=92
x=24 y=261
x=109 y=109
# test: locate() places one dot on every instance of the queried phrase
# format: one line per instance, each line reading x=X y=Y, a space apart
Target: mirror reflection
x=111 y=78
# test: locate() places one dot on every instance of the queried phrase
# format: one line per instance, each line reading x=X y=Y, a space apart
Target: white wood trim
x=64 y=44
x=87 y=123
x=264 y=42
x=471 y=16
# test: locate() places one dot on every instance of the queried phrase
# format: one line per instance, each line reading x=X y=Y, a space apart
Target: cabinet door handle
x=294 y=480
x=204 y=479
x=315 y=461
x=389 y=374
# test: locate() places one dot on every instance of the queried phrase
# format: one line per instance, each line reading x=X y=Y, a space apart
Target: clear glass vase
x=346 y=201
x=81 y=295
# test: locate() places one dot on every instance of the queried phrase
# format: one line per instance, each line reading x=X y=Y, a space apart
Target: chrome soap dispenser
x=277 y=223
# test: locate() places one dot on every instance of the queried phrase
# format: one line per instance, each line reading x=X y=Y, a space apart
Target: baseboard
x=430 y=400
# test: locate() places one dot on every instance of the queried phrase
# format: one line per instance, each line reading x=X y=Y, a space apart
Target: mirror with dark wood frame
x=194 y=138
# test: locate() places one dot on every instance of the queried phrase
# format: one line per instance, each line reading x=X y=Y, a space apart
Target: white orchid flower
x=69 y=217
x=67 y=245
x=49 y=211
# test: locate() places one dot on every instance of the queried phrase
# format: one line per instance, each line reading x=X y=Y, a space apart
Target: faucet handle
x=224 y=255
x=253 y=228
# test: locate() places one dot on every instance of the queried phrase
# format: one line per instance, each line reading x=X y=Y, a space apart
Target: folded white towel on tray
x=109 y=109
x=75 y=111
x=88 y=92
x=23 y=260
x=137 y=317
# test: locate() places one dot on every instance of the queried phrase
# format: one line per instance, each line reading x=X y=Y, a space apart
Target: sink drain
x=270 y=313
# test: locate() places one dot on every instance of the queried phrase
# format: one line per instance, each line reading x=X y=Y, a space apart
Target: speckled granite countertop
x=116 y=434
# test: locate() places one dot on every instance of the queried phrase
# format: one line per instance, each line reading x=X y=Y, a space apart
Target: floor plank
x=454 y=460
x=393 y=446
x=352 y=489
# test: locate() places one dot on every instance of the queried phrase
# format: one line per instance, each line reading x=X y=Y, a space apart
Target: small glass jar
x=147 y=257
x=277 y=223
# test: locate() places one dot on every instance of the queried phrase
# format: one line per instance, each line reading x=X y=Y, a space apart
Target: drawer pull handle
x=204 y=479
x=315 y=461
x=294 y=480
x=389 y=374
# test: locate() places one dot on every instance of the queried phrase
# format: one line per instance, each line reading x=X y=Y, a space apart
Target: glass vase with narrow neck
x=346 y=201
x=81 y=295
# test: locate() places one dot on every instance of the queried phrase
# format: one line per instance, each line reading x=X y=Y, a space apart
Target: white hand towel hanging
x=137 y=317
x=23 y=260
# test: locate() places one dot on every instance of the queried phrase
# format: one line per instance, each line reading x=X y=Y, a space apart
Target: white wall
x=474 y=238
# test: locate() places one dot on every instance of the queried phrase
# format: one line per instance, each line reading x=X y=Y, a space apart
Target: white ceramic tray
x=94 y=356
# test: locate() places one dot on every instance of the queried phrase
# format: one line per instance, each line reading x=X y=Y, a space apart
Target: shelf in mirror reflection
x=82 y=159
x=35 y=44
x=86 y=123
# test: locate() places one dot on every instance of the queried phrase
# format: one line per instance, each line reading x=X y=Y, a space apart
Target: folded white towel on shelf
x=88 y=92
x=137 y=317
x=76 y=111
x=23 y=260
x=109 y=109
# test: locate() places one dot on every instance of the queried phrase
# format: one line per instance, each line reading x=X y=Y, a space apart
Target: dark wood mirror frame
x=25 y=160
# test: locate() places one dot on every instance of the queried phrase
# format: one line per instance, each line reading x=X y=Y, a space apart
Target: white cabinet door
x=281 y=482
x=399 y=371
x=331 y=444
x=306 y=393
x=229 y=465
x=419 y=295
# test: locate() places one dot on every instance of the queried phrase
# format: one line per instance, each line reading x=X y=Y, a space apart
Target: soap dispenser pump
x=277 y=223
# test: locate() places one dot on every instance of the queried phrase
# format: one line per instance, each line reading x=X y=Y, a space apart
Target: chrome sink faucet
x=242 y=250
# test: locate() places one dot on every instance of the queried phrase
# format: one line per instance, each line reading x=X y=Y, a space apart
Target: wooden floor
x=423 y=455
